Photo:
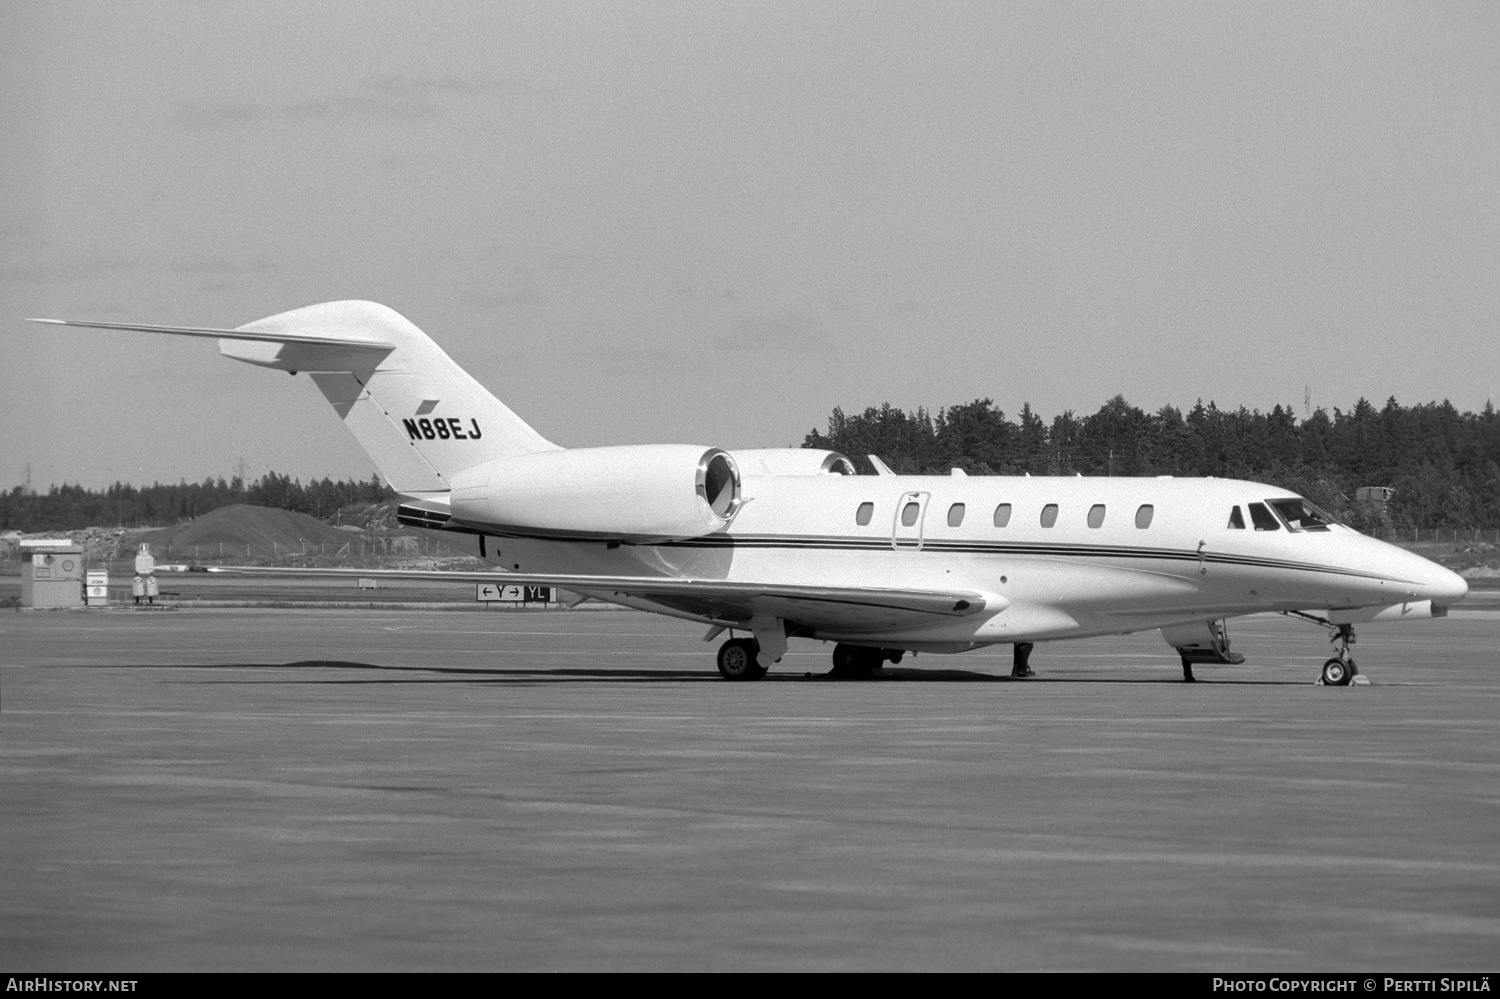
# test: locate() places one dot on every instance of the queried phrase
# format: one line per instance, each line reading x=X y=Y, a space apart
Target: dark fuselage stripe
x=1012 y=548
x=1022 y=548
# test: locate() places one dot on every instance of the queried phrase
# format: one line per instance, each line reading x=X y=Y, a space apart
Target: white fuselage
x=1090 y=572
x=782 y=546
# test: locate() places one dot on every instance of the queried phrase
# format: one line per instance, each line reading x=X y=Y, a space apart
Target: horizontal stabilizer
x=420 y=417
x=218 y=334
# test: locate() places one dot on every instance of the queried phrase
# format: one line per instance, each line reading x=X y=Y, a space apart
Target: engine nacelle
x=649 y=492
x=792 y=461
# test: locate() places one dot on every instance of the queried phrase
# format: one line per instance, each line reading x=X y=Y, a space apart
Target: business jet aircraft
x=789 y=543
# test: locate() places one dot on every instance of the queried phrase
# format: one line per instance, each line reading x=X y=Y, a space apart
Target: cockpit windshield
x=1301 y=515
x=1263 y=519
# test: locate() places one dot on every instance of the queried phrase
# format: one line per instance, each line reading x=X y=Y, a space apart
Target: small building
x=96 y=588
x=51 y=573
x=1379 y=495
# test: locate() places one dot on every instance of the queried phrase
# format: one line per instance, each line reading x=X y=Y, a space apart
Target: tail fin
x=421 y=418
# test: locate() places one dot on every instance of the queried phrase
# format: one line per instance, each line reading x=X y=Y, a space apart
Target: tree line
x=1443 y=465
x=69 y=507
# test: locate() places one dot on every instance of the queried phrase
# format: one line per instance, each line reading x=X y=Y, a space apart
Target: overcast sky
x=712 y=223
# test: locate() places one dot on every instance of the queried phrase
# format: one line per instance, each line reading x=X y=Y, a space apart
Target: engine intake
x=645 y=493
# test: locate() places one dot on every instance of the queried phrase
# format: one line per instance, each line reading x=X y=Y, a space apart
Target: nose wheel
x=1340 y=670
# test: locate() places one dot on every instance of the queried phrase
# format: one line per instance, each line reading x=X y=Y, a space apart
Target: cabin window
x=1049 y=514
x=909 y=514
x=1096 y=515
x=1236 y=519
x=1143 y=516
x=864 y=513
x=1002 y=515
x=1300 y=515
x=955 y=515
x=1263 y=519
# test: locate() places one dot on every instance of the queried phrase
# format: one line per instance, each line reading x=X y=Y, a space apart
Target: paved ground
x=354 y=790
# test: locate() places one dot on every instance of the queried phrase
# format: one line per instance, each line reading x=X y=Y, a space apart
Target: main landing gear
x=857 y=662
x=738 y=660
x=1340 y=671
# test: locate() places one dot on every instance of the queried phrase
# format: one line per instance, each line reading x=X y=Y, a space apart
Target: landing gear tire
x=1338 y=672
x=737 y=660
x=855 y=662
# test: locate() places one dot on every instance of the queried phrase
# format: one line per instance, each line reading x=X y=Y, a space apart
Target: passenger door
x=906 y=529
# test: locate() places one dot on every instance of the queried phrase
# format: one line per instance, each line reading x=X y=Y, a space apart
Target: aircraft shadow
x=523 y=676
x=969 y=676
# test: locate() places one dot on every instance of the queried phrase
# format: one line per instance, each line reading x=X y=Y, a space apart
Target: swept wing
x=725 y=601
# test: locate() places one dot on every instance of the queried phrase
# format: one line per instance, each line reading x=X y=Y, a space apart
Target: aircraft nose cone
x=1421 y=578
x=1445 y=587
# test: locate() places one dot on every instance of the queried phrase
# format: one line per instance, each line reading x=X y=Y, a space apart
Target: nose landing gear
x=1340 y=671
